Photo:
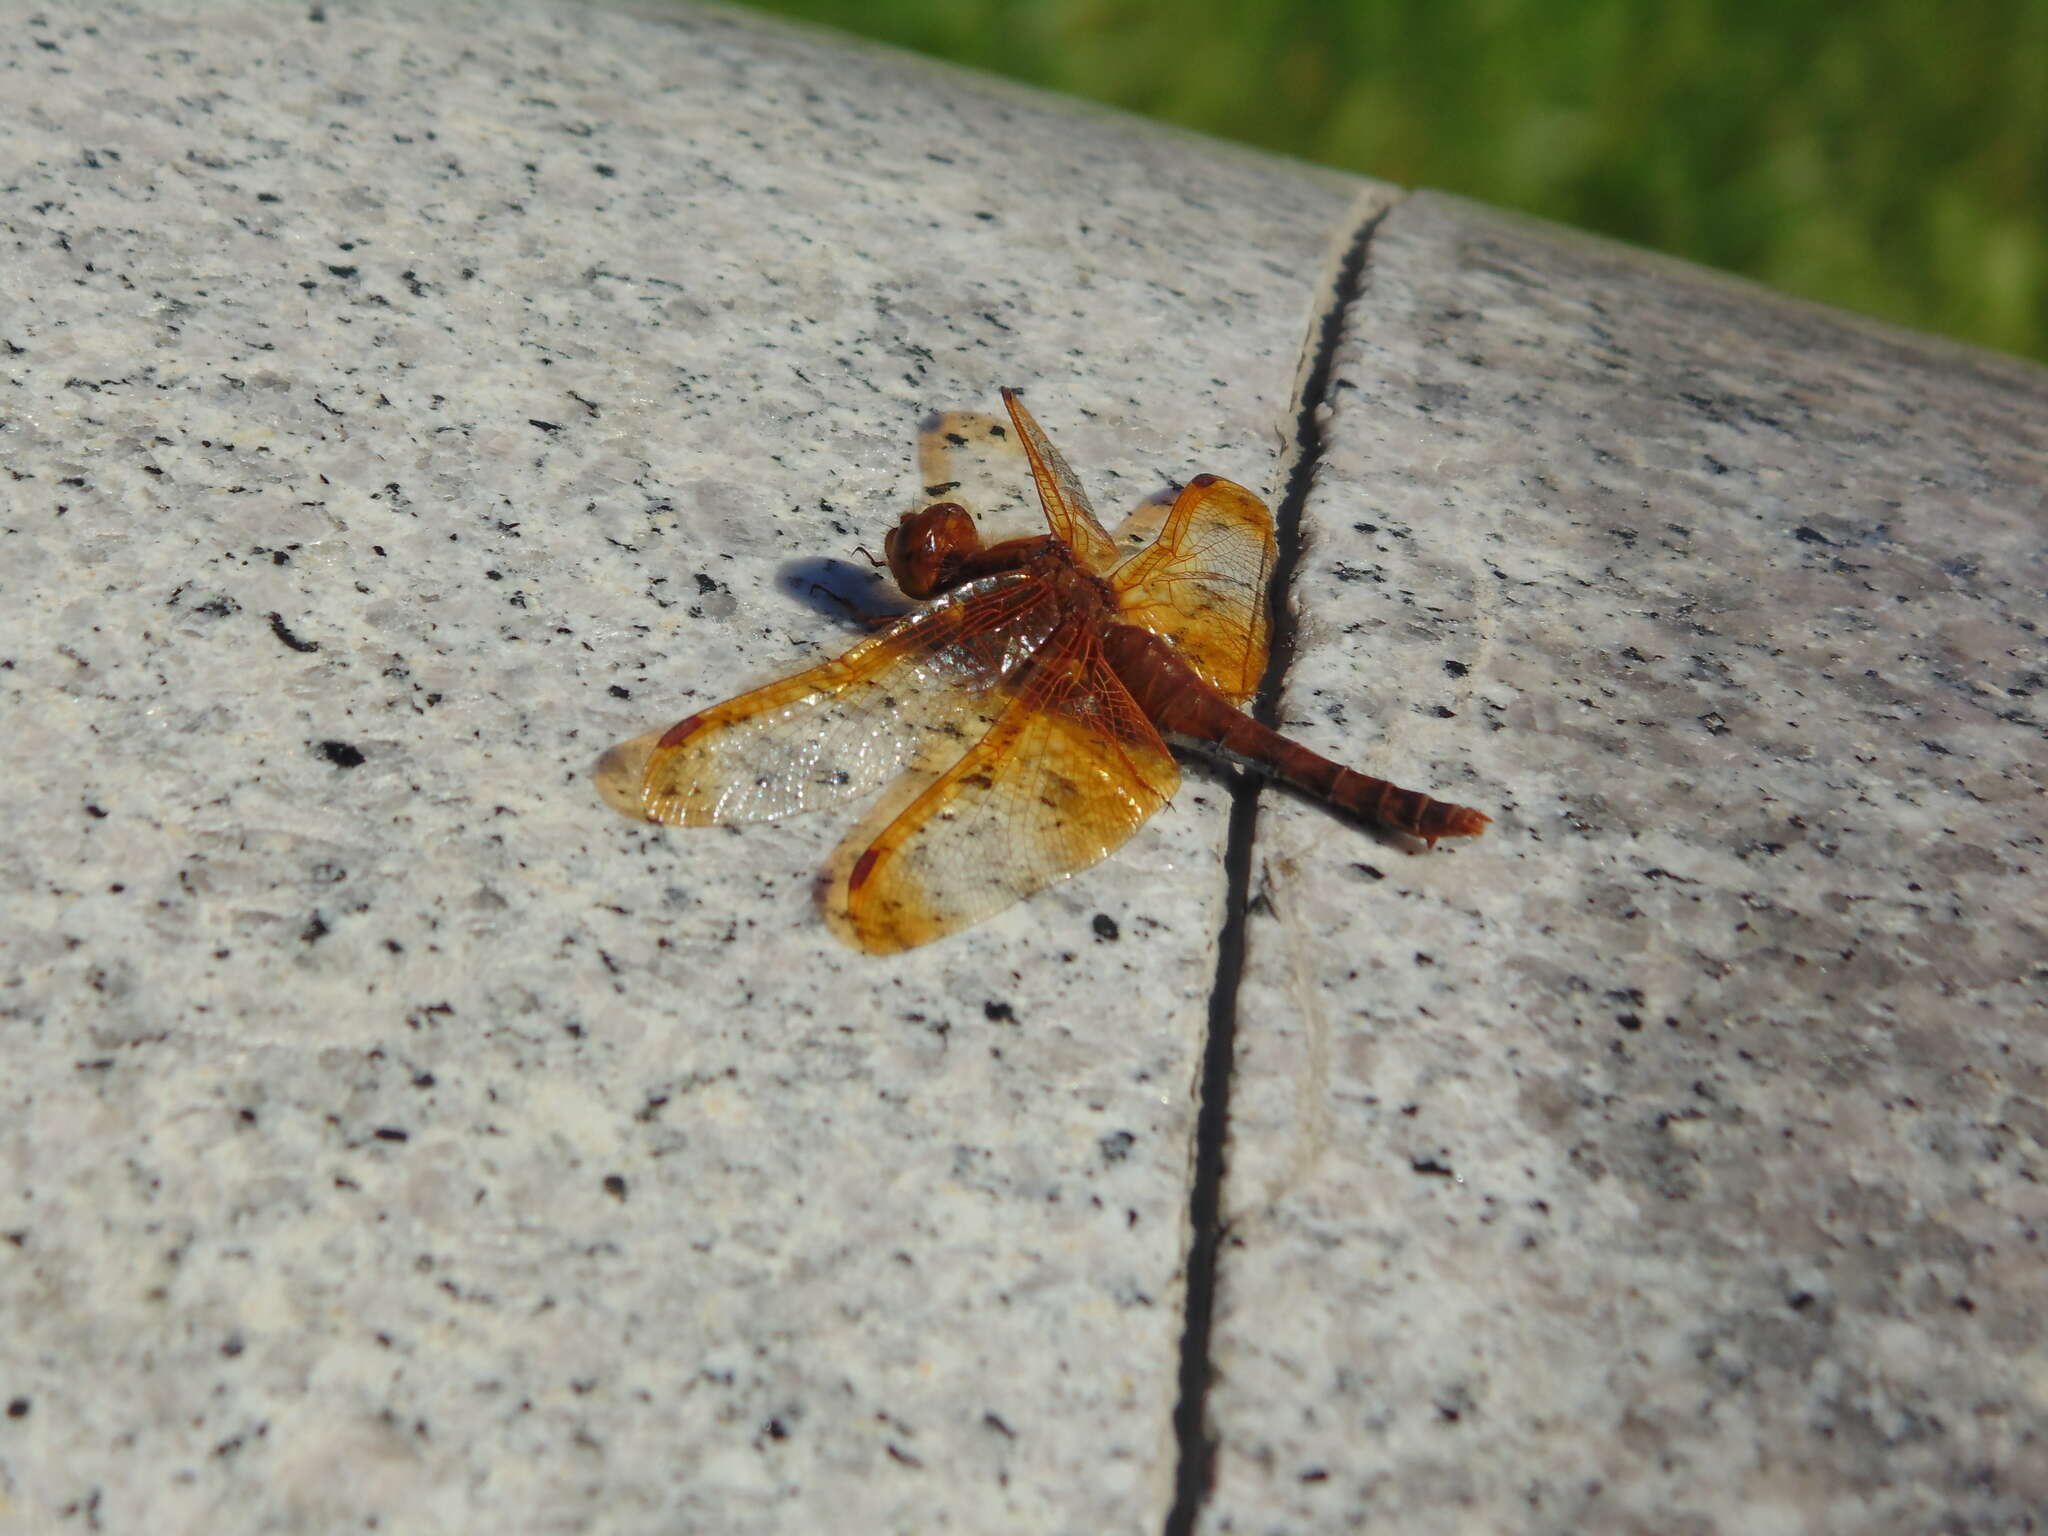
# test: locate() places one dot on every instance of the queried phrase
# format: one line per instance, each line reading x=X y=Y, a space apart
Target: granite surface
x=399 y=405
x=1669 y=1159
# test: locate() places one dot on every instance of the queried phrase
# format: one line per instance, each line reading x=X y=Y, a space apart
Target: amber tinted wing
x=977 y=460
x=1070 y=770
x=1066 y=505
x=1202 y=583
x=922 y=690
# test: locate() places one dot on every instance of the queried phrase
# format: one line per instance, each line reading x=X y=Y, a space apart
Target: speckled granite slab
x=1669 y=1160
x=398 y=405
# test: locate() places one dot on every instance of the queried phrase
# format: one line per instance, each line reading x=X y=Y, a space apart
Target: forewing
x=1069 y=771
x=921 y=691
x=977 y=460
x=1066 y=505
x=1202 y=583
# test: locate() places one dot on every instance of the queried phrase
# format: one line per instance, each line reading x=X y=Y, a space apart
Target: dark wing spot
x=680 y=732
x=862 y=868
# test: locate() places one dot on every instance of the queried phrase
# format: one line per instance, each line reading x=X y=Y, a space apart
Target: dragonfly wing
x=1202 y=584
x=977 y=460
x=1069 y=771
x=923 y=690
x=1059 y=491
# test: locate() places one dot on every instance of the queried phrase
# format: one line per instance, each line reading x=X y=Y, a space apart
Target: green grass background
x=1890 y=156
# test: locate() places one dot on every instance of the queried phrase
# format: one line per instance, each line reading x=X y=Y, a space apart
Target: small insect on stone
x=1020 y=717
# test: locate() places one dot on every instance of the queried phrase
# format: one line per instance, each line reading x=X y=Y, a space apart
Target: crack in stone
x=1195 y=1474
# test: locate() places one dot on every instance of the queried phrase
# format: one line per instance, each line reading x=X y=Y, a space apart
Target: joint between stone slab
x=1343 y=288
x=1195 y=1470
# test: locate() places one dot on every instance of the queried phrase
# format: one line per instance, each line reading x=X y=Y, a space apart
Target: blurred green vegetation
x=1890 y=156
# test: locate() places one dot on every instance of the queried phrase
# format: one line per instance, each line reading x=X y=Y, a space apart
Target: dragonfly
x=1018 y=722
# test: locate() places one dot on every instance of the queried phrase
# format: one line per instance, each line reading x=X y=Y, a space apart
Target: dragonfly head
x=926 y=548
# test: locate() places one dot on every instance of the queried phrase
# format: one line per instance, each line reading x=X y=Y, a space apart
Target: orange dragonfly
x=1022 y=713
